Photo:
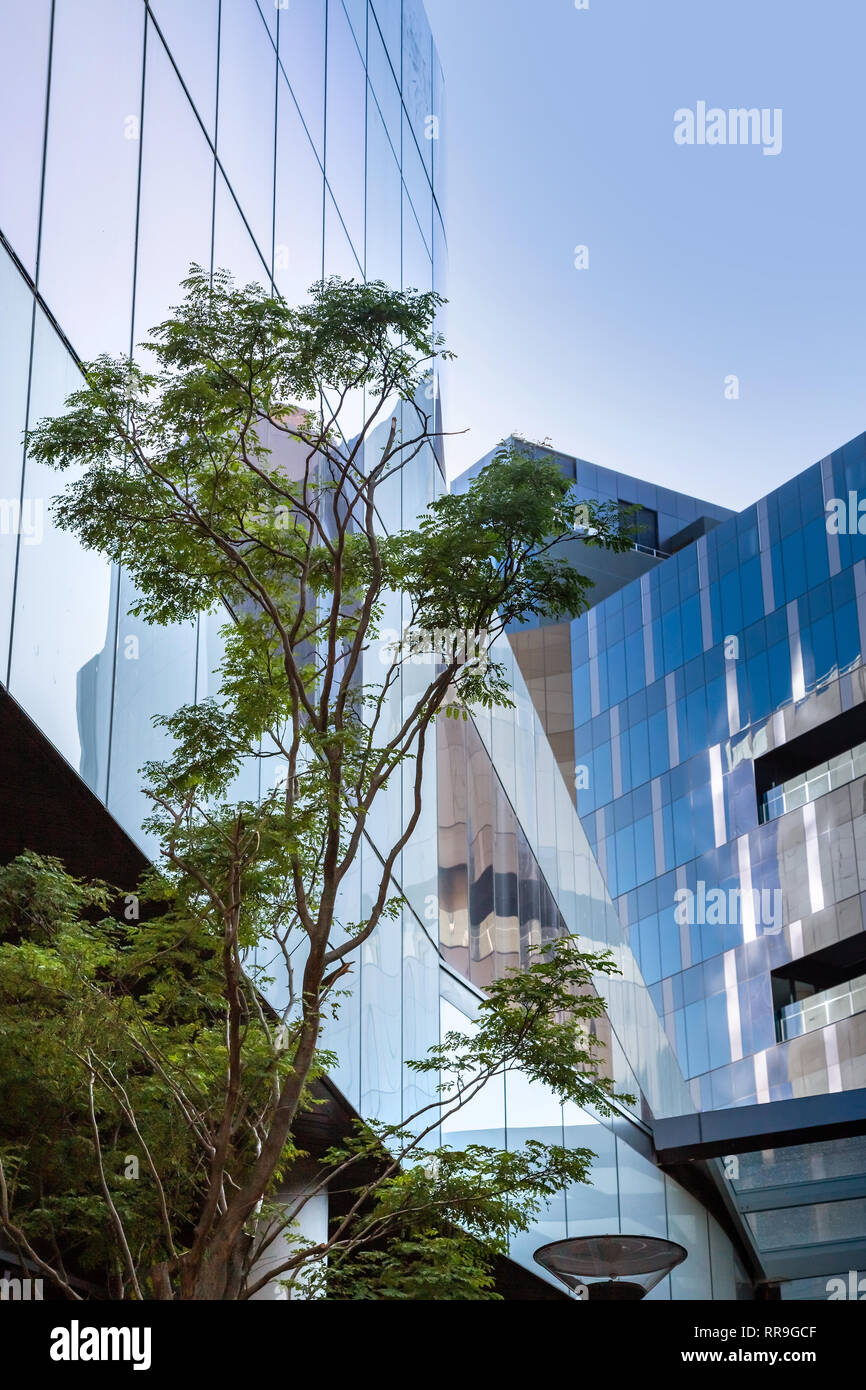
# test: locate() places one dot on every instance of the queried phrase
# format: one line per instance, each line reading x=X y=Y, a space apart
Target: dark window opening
x=644 y=523
x=821 y=988
x=808 y=767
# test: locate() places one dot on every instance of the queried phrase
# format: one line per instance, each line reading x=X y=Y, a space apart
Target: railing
x=651 y=550
x=830 y=1006
x=811 y=785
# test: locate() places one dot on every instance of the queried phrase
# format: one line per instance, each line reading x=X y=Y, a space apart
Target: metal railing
x=811 y=785
x=830 y=1006
x=651 y=550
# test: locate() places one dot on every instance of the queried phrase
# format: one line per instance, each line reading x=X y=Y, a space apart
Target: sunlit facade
x=283 y=142
x=141 y=138
x=709 y=721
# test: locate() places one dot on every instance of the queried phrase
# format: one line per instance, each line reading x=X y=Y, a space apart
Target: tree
x=113 y=1083
x=226 y=477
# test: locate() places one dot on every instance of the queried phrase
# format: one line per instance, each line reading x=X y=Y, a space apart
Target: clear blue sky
x=703 y=261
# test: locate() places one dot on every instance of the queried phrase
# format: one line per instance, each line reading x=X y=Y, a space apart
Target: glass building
x=139 y=138
x=283 y=142
x=709 y=722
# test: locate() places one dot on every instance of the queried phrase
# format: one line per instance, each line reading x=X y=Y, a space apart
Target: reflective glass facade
x=739 y=654
x=659 y=514
x=515 y=867
x=708 y=717
x=282 y=142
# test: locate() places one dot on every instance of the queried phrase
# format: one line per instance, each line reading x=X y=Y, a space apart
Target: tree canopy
x=244 y=464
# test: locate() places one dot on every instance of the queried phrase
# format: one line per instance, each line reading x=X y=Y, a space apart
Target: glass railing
x=830 y=1006
x=651 y=550
x=817 y=782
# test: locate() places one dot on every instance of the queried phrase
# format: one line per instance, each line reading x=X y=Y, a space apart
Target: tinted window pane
x=417 y=77
x=302 y=54
x=92 y=171
x=344 y=160
x=24 y=31
x=387 y=12
x=176 y=192
x=415 y=179
x=340 y=258
x=298 y=218
x=386 y=87
x=189 y=28
x=155 y=674
x=245 y=141
x=62 y=619
x=234 y=248
x=15 y=324
x=381 y=969
x=383 y=206
x=417 y=266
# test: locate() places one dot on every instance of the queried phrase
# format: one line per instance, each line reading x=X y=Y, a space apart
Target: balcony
x=829 y=1006
x=811 y=785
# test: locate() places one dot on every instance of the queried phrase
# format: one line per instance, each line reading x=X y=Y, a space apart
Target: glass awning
x=800 y=1206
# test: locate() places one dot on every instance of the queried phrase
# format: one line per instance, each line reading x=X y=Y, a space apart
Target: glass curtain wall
x=726 y=654
x=282 y=142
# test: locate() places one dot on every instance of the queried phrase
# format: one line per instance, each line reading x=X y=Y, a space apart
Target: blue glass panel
x=617 y=689
x=819 y=650
x=344 y=139
x=482 y=1121
x=697 y=1038
x=657 y=740
x=758 y=679
x=190 y=31
x=155 y=671
x=691 y=627
x=717 y=1027
x=420 y=1012
x=794 y=565
x=594 y=1208
x=638 y=760
x=417 y=76
x=91 y=171
x=696 y=719
x=669 y=940
x=789 y=508
x=672 y=638
x=684 y=830
x=625 y=860
x=234 y=248
x=847 y=635
x=61 y=668
x=302 y=55
x=634 y=662
x=385 y=86
x=644 y=849
x=381 y=975
x=779 y=661
x=176 y=196
x=731 y=604
x=641 y=1194
x=298 y=203
x=24 y=36
x=752 y=593
x=815 y=544
x=383 y=206
x=245 y=141
x=388 y=15
x=602 y=775
x=15 y=326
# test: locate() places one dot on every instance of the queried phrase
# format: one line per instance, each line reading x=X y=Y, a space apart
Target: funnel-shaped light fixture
x=611 y=1267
